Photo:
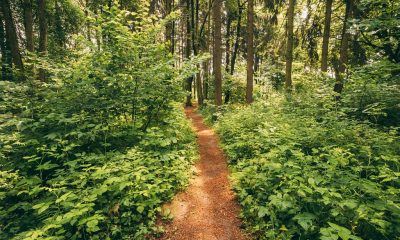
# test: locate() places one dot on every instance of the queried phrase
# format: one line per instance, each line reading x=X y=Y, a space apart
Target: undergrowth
x=303 y=169
x=116 y=195
x=94 y=151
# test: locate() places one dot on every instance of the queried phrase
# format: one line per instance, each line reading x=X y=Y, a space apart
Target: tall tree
x=217 y=51
x=195 y=24
x=325 y=39
x=289 y=45
x=206 y=47
x=169 y=26
x=88 y=25
x=28 y=24
x=173 y=30
x=228 y=39
x=59 y=31
x=237 y=37
x=11 y=34
x=250 y=51
x=188 y=51
x=42 y=34
x=6 y=58
x=344 y=46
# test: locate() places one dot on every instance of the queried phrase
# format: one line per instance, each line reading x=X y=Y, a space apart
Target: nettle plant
x=93 y=152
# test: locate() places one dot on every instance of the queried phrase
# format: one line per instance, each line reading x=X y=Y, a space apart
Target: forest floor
x=207 y=210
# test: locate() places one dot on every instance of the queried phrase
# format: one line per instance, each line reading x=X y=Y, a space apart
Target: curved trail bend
x=207 y=210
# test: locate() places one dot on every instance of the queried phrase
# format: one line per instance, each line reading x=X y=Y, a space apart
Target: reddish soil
x=207 y=210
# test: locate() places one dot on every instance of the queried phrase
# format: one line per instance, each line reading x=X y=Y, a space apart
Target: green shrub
x=303 y=170
x=93 y=152
x=372 y=93
x=98 y=196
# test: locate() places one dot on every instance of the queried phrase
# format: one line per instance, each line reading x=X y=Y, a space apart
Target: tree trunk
x=152 y=7
x=88 y=28
x=61 y=39
x=189 y=80
x=6 y=58
x=217 y=51
x=250 y=51
x=344 y=45
x=96 y=32
x=206 y=64
x=11 y=34
x=205 y=79
x=194 y=30
x=169 y=26
x=359 y=52
x=42 y=34
x=228 y=41
x=325 y=39
x=289 y=47
x=237 y=38
x=173 y=37
x=28 y=24
x=256 y=63
x=199 y=87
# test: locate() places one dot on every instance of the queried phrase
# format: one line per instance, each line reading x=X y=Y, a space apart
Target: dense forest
x=303 y=94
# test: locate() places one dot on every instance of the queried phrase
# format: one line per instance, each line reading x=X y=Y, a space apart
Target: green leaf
x=305 y=220
x=262 y=211
x=140 y=209
x=46 y=166
x=311 y=181
x=92 y=225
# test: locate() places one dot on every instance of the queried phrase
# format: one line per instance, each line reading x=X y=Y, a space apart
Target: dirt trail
x=207 y=210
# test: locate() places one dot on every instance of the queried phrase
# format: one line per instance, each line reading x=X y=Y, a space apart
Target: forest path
x=207 y=210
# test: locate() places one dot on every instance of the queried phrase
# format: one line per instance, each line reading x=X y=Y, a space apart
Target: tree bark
x=88 y=27
x=28 y=24
x=359 y=52
x=194 y=28
x=228 y=41
x=217 y=51
x=199 y=87
x=61 y=39
x=289 y=47
x=42 y=34
x=256 y=63
x=6 y=58
x=237 y=38
x=344 y=46
x=250 y=51
x=189 y=80
x=169 y=26
x=325 y=39
x=173 y=37
x=97 y=33
x=152 y=7
x=11 y=34
x=206 y=64
x=205 y=79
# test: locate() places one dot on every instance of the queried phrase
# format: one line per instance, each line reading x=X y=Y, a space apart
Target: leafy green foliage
x=372 y=93
x=65 y=20
x=234 y=88
x=96 y=150
x=378 y=24
x=302 y=169
x=102 y=196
